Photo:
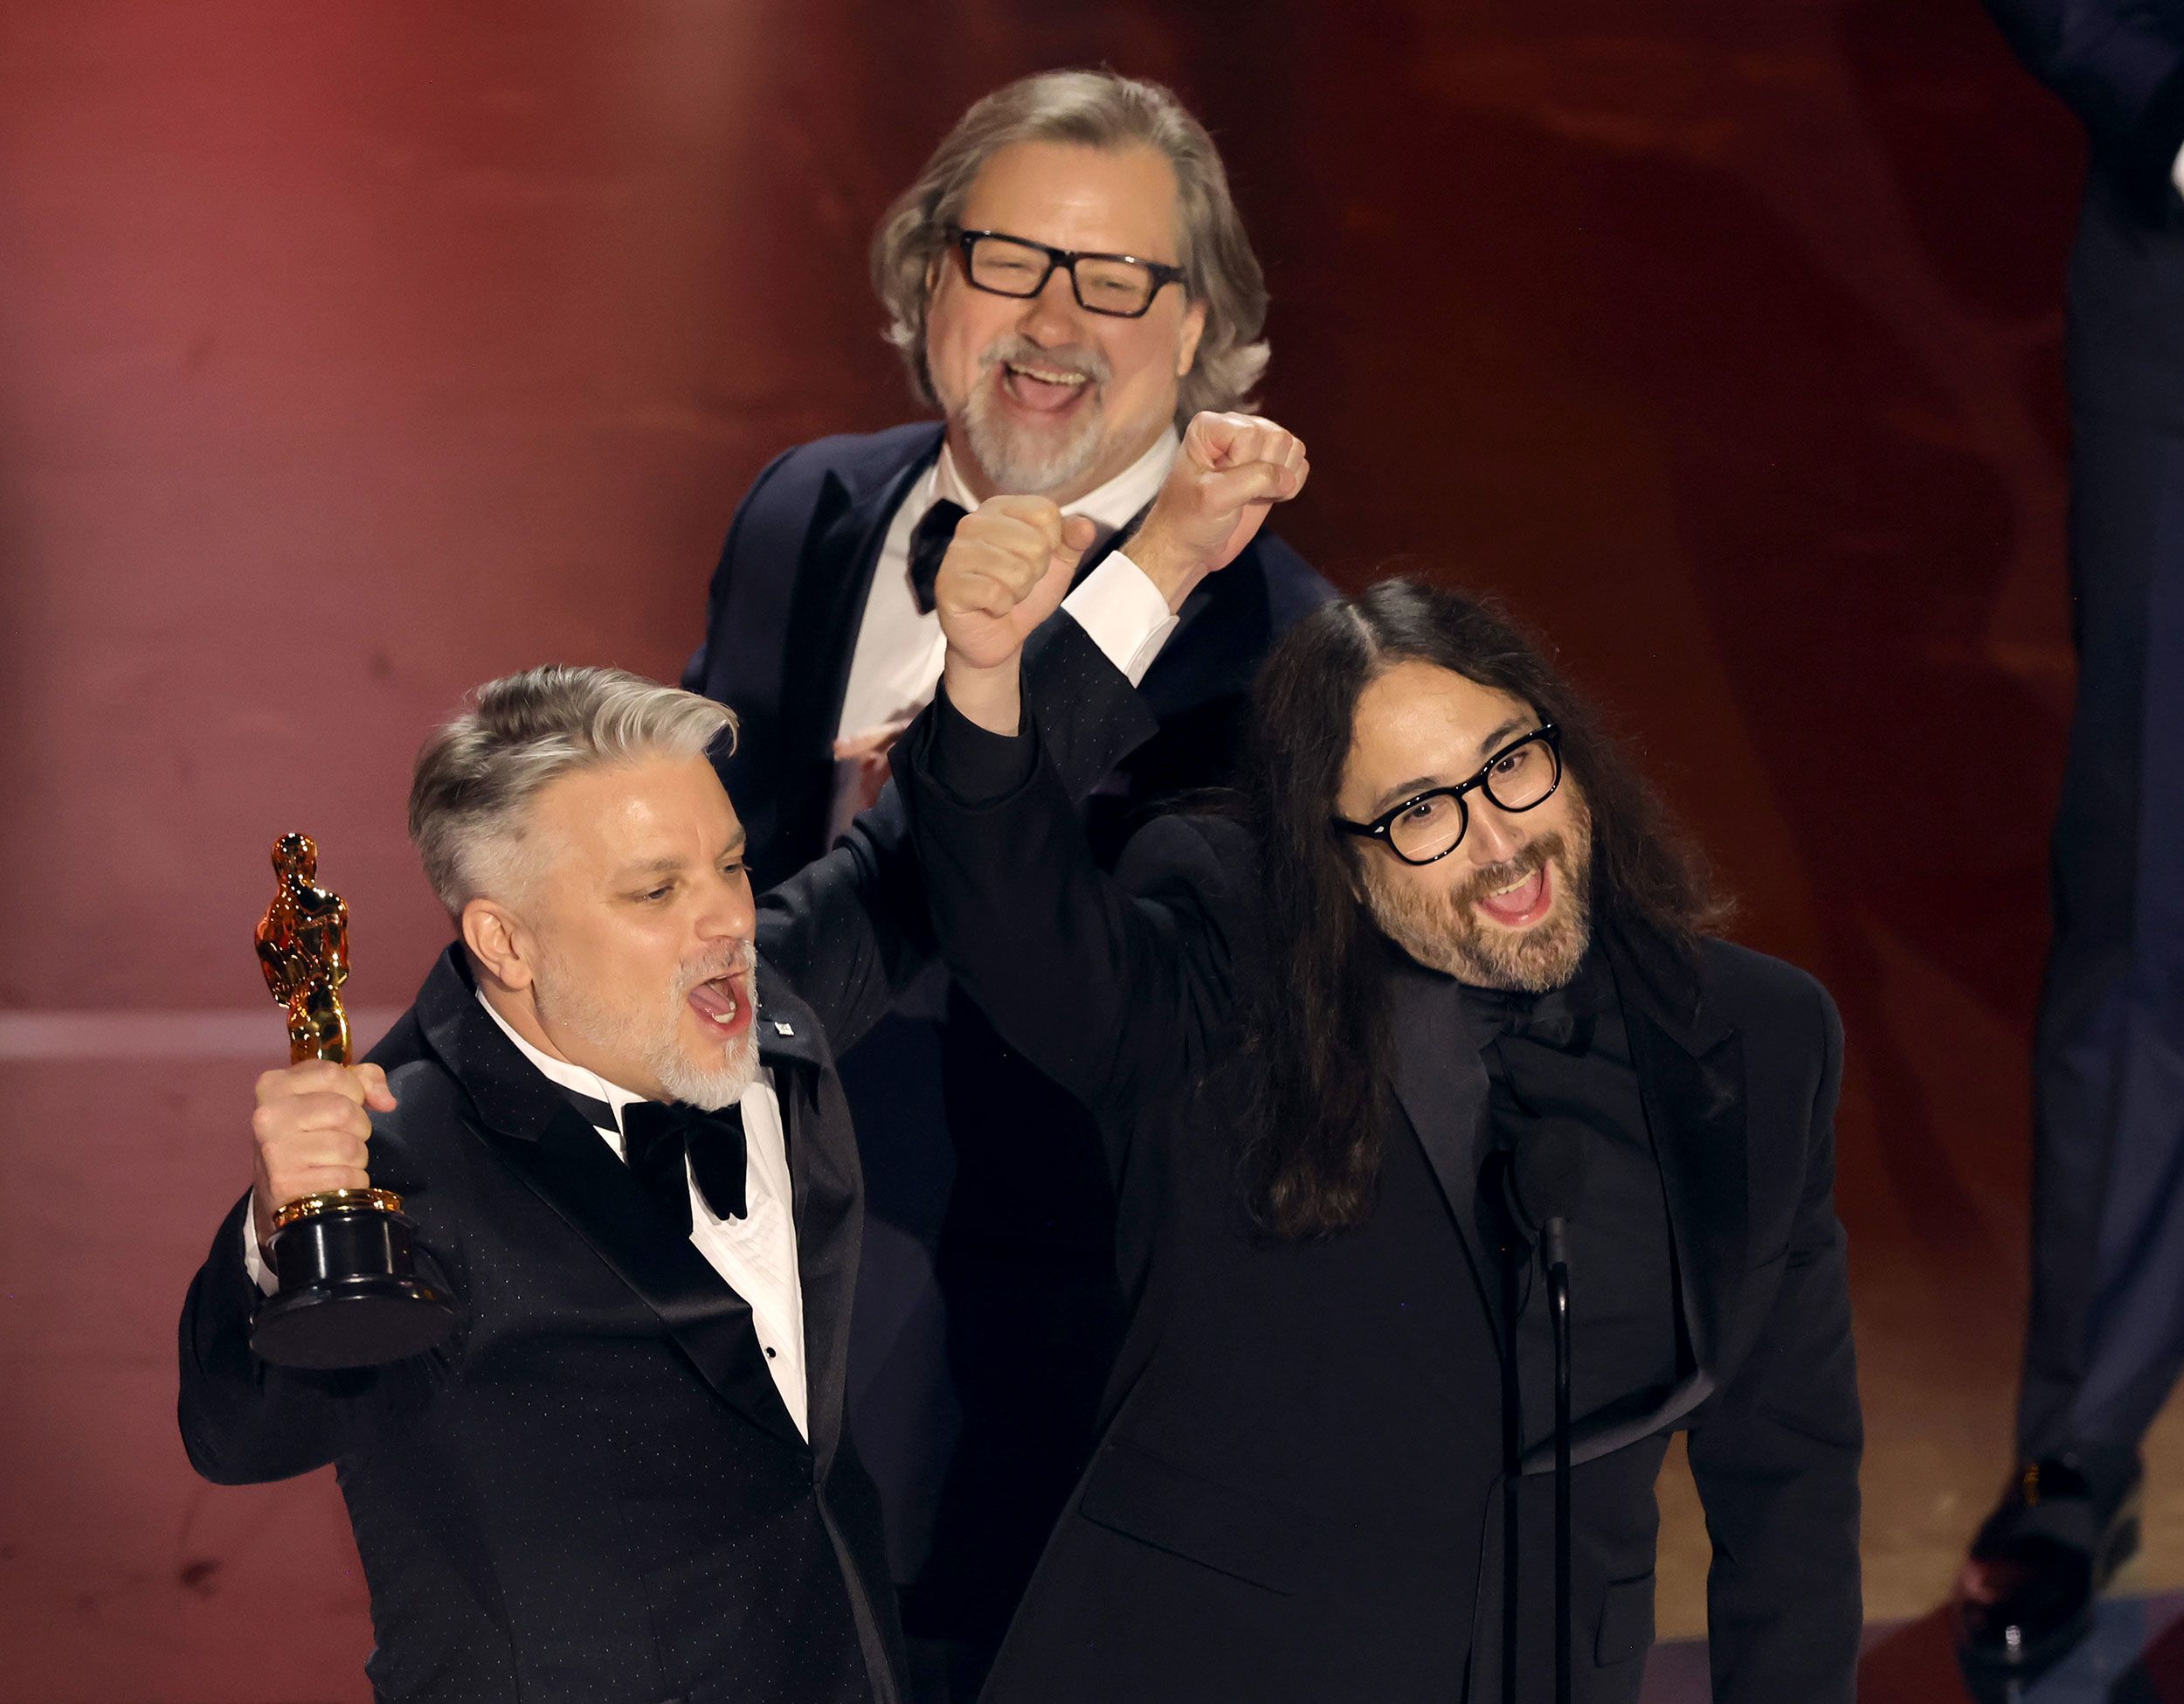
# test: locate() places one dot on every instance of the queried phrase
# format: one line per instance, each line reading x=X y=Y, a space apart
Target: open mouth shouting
x=1043 y=387
x=1521 y=902
x=723 y=1003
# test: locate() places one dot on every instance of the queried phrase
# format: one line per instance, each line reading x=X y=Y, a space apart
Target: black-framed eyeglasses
x=1121 y=285
x=1520 y=777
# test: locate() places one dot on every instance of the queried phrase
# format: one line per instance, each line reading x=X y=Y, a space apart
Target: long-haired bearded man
x=1442 y=928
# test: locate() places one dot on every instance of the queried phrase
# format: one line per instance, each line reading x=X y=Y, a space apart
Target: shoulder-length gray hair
x=1094 y=109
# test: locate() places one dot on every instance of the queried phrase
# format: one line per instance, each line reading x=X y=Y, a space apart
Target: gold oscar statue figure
x=350 y=1295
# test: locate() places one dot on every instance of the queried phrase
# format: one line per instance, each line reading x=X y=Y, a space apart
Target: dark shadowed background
x=353 y=353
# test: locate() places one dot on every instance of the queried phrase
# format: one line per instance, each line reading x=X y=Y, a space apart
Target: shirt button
x=769 y=1354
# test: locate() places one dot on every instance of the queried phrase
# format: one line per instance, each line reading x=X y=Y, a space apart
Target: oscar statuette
x=350 y=1295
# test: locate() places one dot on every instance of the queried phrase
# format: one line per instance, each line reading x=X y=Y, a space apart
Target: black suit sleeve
x=1118 y=988
x=853 y=929
x=1776 y=1463
x=244 y=1421
x=2119 y=64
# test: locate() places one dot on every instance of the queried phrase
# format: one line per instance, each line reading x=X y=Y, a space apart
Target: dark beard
x=1443 y=932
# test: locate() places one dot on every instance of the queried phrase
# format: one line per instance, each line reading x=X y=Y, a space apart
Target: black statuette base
x=350 y=1295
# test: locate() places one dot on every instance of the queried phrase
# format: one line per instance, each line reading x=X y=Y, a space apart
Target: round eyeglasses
x=1521 y=776
x=1118 y=284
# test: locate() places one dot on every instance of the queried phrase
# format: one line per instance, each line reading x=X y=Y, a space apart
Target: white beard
x=651 y=1036
x=1025 y=461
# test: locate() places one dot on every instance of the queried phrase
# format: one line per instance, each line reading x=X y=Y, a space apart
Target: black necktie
x=657 y=1136
x=929 y=543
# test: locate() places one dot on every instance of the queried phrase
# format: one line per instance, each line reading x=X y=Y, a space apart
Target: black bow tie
x=657 y=1136
x=929 y=543
x=1562 y=1018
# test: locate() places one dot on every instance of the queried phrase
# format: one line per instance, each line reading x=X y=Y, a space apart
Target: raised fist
x=311 y=1127
x=1007 y=569
x=1230 y=470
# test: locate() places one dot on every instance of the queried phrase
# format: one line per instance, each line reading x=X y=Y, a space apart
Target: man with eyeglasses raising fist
x=1424 y=1020
x=1069 y=282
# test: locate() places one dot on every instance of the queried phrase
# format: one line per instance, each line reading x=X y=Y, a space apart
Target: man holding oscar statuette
x=612 y=1116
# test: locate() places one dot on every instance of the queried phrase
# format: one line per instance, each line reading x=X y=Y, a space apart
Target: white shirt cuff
x=1122 y=613
x=253 y=1263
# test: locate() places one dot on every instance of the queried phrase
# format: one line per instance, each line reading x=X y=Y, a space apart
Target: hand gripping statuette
x=350 y=1295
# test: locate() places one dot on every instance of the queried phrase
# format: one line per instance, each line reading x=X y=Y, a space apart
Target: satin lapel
x=1691 y=1076
x=1440 y=1083
x=1690 y=1081
x=829 y=1197
x=534 y=1131
x=574 y=1172
x=847 y=531
x=825 y=610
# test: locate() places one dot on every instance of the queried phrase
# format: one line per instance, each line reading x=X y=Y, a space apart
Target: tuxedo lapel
x=848 y=527
x=574 y=1172
x=1442 y=1086
x=1690 y=1085
x=787 y=809
x=531 y=1127
x=1691 y=1074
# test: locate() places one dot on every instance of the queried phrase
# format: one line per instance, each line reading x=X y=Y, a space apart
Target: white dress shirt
x=897 y=658
x=755 y=1255
x=1122 y=611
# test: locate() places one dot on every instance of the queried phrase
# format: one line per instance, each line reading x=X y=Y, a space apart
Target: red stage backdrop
x=352 y=354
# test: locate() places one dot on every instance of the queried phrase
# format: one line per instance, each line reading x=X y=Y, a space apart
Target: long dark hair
x=1319 y=1043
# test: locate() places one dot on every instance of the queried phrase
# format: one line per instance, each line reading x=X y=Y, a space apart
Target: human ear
x=498 y=942
x=1187 y=353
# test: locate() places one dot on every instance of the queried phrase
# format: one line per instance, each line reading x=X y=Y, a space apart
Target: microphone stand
x=1554 y=1248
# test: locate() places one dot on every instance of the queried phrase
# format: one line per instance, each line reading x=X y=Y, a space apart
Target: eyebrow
x=1499 y=737
x=1495 y=739
x=661 y=866
x=668 y=864
x=1403 y=790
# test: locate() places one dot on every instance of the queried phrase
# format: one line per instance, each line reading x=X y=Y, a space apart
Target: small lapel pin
x=785 y=1029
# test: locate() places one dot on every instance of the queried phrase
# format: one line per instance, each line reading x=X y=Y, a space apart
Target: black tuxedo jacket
x=1298 y=1492
x=789 y=594
x=1019 y=1238
x=593 y=1490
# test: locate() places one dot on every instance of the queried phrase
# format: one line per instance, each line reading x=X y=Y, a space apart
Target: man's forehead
x=1417 y=702
x=636 y=811
x=1076 y=196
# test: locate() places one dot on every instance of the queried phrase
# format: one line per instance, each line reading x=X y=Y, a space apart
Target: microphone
x=1544 y=1187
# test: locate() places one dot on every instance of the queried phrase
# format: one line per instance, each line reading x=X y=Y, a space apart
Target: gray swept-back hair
x=480 y=771
x=1092 y=109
